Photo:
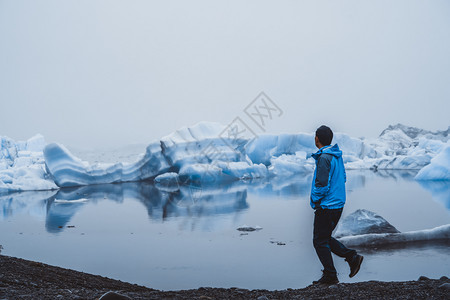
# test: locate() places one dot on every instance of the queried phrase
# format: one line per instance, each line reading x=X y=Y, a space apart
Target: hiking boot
x=355 y=264
x=327 y=279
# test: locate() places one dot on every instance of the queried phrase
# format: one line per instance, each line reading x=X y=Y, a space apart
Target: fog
x=110 y=73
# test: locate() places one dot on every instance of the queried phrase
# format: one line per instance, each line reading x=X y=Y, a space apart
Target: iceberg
x=221 y=171
x=22 y=165
x=199 y=144
x=26 y=178
x=401 y=147
x=264 y=147
x=363 y=222
x=197 y=154
x=367 y=229
x=68 y=170
x=288 y=165
x=439 y=168
x=11 y=151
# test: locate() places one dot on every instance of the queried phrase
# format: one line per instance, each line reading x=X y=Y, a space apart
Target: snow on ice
x=203 y=154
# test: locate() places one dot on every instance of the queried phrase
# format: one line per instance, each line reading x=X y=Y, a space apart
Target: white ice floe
x=208 y=153
x=441 y=233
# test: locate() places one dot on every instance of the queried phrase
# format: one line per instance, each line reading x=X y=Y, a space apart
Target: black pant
x=325 y=220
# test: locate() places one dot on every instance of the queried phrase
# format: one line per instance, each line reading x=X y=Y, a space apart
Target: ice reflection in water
x=188 y=201
x=440 y=190
x=161 y=202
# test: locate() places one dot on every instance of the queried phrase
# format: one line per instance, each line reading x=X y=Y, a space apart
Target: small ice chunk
x=249 y=228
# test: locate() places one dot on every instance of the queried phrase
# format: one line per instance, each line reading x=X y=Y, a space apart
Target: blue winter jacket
x=328 y=185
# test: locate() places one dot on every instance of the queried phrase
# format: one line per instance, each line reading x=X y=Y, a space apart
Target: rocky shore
x=22 y=279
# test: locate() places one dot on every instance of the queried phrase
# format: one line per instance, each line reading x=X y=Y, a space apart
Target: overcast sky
x=110 y=73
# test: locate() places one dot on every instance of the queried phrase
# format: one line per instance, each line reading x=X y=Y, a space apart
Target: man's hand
x=316 y=204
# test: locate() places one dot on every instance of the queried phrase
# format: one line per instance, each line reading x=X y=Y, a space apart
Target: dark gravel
x=22 y=279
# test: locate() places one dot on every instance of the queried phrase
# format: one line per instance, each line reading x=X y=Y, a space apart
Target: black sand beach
x=23 y=279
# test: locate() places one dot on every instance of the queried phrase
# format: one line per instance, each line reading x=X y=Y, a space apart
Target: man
x=328 y=199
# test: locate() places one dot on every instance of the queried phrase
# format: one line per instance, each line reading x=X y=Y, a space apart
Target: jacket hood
x=333 y=150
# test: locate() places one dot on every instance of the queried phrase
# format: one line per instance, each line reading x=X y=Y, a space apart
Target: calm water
x=169 y=240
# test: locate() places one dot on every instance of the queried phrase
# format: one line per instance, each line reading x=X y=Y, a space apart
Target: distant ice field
x=208 y=153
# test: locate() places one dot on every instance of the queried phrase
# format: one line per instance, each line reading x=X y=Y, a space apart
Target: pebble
x=443 y=278
x=333 y=287
x=262 y=298
x=424 y=278
x=445 y=286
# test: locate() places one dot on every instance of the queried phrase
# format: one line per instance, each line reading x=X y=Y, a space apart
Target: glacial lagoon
x=170 y=238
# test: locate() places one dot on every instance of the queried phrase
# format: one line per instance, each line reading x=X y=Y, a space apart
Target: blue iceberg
x=439 y=167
